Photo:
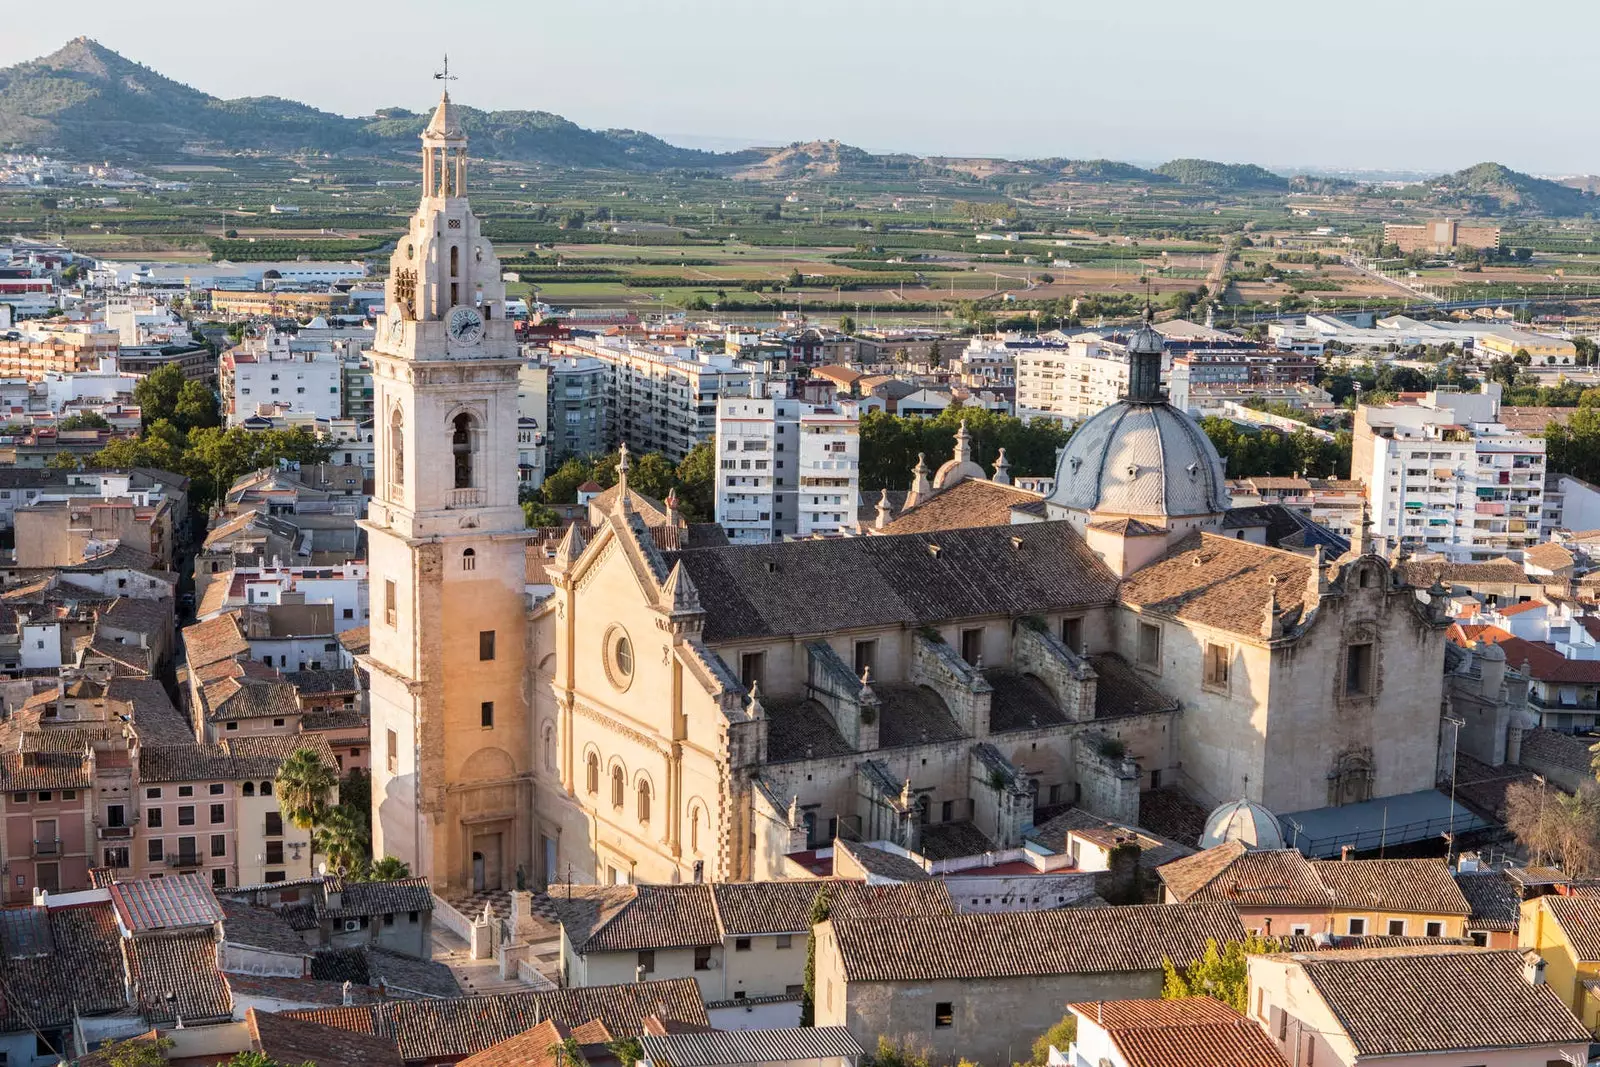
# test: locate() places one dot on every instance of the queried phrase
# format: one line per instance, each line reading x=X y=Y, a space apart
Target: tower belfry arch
x=452 y=775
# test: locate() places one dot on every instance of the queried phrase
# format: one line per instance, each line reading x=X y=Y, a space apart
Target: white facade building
x=1444 y=475
x=264 y=373
x=784 y=468
x=1073 y=382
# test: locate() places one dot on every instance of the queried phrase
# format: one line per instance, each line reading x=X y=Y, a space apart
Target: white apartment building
x=661 y=398
x=1072 y=382
x=785 y=468
x=1444 y=475
x=265 y=373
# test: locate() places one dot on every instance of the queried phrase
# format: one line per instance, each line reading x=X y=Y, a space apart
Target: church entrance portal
x=486 y=873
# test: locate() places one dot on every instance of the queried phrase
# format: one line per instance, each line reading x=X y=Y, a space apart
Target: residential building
x=1278 y=892
x=66 y=349
x=1193 y=1031
x=784 y=468
x=1443 y=475
x=1416 y=1006
x=574 y=411
x=57 y=532
x=267 y=371
x=1565 y=931
x=968 y=985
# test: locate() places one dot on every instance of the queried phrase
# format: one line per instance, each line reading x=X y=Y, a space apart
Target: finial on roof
x=1317 y=580
x=570 y=548
x=1002 y=469
x=1360 y=543
x=794 y=812
x=866 y=695
x=1272 y=620
x=678 y=594
x=885 y=513
x=905 y=794
x=963 y=451
x=921 y=487
x=753 y=705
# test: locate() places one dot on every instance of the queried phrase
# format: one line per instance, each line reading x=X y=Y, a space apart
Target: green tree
x=890 y=1054
x=388 y=869
x=136 y=1052
x=342 y=837
x=1222 y=973
x=157 y=393
x=196 y=406
x=302 y=787
x=561 y=485
x=652 y=474
x=260 y=1059
x=820 y=907
x=847 y=325
x=627 y=1050
x=795 y=279
x=64 y=461
x=539 y=516
x=697 y=483
x=1061 y=1035
x=85 y=420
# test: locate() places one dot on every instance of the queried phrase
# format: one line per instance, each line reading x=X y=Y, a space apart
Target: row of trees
x=650 y=473
x=890 y=444
x=1267 y=452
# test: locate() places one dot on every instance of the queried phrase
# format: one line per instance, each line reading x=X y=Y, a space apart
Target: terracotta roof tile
x=745 y=908
x=1420 y=886
x=214 y=640
x=634 y=917
x=184 y=966
x=1231 y=874
x=168 y=903
x=1495 y=900
x=535 y=1047
x=1219 y=582
x=1406 y=1002
x=1189 y=1032
x=1031 y=943
x=301 y=1041
x=962 y=506
x=1579 y=917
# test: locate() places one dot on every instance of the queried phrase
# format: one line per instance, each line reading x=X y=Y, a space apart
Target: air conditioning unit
x=352 y=925
x=713 y=963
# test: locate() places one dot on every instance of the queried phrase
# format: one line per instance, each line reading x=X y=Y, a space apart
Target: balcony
x=465 y=498
x=50 y=846
x=114 y=833
x=184 y=859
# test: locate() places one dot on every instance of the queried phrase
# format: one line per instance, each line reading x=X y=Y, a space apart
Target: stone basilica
x=671 y=712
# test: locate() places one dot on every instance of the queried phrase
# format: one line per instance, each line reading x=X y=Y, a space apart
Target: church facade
x=671 y=713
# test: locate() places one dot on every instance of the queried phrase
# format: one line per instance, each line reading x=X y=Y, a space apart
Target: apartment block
x=32 y=354
x=1443 y=474
x=785 y=468
x=265 y=373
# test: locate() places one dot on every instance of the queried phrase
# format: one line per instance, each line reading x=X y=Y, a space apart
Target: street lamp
x=1455 y=760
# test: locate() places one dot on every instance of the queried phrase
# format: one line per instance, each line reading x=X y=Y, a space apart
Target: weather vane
x=445 y=75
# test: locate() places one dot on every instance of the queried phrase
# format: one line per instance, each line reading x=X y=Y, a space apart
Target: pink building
x=48 y=816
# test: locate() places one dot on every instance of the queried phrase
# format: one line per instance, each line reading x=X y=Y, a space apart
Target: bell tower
x=451 y=788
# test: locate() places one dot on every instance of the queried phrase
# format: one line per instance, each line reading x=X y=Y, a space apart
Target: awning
x=1376 y=824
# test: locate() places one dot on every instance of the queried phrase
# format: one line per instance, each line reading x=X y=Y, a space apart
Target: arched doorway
x=478 y=879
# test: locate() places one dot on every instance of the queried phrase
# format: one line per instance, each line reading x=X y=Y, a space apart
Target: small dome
x=1141 y=459
x=1244 y=821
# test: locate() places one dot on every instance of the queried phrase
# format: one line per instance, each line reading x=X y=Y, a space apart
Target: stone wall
x=1110 y=783
x=937 y=666
x=1041 y=654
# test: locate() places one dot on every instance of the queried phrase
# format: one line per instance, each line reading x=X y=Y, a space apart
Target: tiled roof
x=877 y=862
x=300 y=1041
x=1424 y=573
x=260 y=755
x=461 y=1026
x=535 y=1047
x=801 y=729
x=632 y=917
x=745 y=908
x=356 y=640
x=185 y=763
x=214 y=640
x=177 y=900
x=1405 y=1002
x=1495 y=900
x=26 y=772
x=770 y=590
x=1020 y=701
x=1219 y=582
x=964 y=505
x=254 y=700
x=303 y=991
x=1579 y=917
x=1189 y=1032
x=183 y=966
x=913 y=715
x=81 y=974
x=1422 y=886
x=1231 y=874
x=1558 y=749
x=1053 y=834
x=788 y=1045
x=1120 y=690
x=155 y=718
x=1549 y=555
x=377 y=898
x=1031 y=943
x=953 y=840
x=263 y=928
x=336 y=680
x=854 y=900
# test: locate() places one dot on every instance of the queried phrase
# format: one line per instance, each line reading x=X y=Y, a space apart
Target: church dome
x=1244 y=821
x=1141 y=459
x=1141 y=456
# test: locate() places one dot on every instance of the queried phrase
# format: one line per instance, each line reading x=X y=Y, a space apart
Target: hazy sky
x=1428 y=84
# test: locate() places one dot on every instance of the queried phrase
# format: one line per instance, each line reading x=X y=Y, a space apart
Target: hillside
x=1222 y=175
x=89 y=102
x=1096 y=170
x=1492 y=188
x=828 y=159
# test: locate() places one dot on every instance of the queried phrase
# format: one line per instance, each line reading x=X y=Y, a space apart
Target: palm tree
x=342 y=838
x=303 y=785
x=388 y=869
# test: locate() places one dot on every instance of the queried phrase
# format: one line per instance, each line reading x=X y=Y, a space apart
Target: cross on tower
x=445 y=75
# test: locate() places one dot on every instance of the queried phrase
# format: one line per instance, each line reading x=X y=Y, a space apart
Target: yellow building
x=1565 y=932
x=275 y=302
x=1399 y=898
x=1538 y=346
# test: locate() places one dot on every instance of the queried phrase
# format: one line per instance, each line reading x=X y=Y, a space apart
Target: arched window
x=266 y=789
x=461 y=445
x=397 y=449
x=594 y=773
x=618 y=787
x=469 y=559
x=249 y=789
x=694 y=830
x=644 y=801
x=455 y=261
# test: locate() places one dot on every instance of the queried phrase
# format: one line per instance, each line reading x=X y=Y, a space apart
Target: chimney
x=344 y=991
x=639 y=973
x=1467 y=862
x=1533 y=970
x=1344 y=852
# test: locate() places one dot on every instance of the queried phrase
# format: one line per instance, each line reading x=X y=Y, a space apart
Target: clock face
x=465 y=326
x=396 y=329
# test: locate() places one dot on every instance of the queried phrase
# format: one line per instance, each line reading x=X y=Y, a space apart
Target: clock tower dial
x=465 y=325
